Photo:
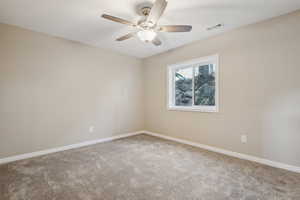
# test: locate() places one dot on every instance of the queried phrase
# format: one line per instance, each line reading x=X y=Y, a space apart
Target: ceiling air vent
x=215 y=27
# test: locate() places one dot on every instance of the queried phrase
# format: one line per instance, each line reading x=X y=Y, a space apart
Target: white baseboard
x=230 y=153
x=68 y=147
x=203 y=146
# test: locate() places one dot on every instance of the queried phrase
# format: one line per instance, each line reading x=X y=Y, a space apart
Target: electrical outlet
x=244 y=139
x=91 y=129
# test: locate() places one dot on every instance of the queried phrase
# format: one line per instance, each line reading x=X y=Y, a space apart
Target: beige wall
x=259 y=91
x=52 y=90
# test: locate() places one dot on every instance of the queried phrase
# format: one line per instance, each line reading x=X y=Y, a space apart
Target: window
x=193 y=85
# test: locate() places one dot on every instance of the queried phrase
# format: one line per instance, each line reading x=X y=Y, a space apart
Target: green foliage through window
x=196 y=82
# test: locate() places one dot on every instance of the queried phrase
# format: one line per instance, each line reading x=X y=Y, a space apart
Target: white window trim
x=170 y=78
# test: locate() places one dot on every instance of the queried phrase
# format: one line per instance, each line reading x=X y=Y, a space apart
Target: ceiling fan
x=147 y=27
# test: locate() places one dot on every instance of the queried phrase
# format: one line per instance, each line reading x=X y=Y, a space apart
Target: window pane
x=204 y=88
x=183 y=87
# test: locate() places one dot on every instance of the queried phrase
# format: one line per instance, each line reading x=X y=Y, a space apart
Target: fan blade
x=157 y=10
x=119 y=20
x=156 y=42
x=176 y=28
x=125 y=37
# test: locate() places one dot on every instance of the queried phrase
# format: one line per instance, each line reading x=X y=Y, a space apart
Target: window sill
x=205 y=109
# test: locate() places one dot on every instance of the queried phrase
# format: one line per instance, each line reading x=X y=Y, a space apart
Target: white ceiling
x=80 y=20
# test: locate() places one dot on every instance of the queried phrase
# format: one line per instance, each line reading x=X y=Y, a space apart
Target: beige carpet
x=143 y=168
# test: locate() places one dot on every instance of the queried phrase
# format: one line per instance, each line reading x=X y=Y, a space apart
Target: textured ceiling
x=80 y=20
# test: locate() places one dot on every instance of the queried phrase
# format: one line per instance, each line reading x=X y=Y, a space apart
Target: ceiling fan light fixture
x=147 y=26
x=146 y=35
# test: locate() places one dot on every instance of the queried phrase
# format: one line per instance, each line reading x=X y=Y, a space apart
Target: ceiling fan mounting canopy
x=147 y=28
x=145 y=11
